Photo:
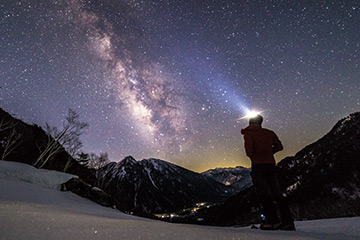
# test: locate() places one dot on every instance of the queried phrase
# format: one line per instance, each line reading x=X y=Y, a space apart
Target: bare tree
x=59 y=140
x=10 y=142
x=5 y=125
x=98 y=162
x=73 y=147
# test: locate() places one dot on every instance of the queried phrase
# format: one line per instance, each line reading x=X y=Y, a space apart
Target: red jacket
x=261 y=144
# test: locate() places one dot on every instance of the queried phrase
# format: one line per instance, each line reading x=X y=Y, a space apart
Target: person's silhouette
x=260 y=145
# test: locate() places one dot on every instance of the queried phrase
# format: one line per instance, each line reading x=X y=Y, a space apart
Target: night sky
x=169 y=79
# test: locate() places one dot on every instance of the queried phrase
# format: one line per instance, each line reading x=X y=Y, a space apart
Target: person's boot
x=269 y=209
x=285 y=214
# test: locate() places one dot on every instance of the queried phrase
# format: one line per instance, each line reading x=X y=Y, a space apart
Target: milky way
x=148 y=93
x=173 y=79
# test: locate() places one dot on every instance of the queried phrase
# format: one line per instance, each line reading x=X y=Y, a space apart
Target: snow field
x=32 y=208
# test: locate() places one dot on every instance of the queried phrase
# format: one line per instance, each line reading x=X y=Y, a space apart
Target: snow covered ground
x=32 y=207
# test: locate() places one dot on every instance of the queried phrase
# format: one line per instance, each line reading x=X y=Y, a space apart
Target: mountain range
x=320 y=181
x=155 y=186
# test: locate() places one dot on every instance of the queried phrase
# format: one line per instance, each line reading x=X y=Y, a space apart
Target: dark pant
x=268 y=190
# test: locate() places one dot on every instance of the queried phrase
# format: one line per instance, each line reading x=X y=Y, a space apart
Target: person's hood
x=251 y=127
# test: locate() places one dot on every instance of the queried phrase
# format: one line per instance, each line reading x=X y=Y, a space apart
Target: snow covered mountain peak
x=161 y=166
x=238 y=177
x=129 y=160
x=154 y=163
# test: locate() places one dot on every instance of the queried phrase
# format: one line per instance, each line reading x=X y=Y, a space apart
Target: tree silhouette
x=68 y=138
x=10 y=142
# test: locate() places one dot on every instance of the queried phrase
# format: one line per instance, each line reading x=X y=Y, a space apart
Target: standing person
x=260 y=145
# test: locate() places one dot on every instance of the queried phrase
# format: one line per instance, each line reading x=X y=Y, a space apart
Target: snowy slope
x=29 y=210
x=27 y=173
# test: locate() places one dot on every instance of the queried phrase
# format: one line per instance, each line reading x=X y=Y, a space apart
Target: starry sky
x=170 y=79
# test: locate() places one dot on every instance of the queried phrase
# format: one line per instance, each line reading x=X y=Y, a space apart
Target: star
x=160 y=79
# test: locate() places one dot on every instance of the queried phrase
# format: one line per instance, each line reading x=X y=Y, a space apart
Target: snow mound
x=27 y=173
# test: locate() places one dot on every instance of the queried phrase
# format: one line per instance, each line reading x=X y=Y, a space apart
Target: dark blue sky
x=168 y=79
